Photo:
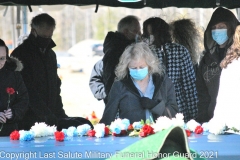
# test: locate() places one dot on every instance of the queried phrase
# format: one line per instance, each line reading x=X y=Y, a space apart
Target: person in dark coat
x=13 y=92
x=142 y=90
x=179 y=67
x=114 y=44
x=40 y=73
x=218 y=38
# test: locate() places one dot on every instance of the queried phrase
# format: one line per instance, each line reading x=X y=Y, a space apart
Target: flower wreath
x=119 y=127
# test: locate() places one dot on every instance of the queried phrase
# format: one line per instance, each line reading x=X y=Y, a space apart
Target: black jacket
x=209 y=71
x=114 y=45
x=42 y=81
x=10 y=77
x=125 y=97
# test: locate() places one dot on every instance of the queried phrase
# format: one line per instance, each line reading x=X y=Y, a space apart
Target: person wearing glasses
x=142 y=90
x=13 y=92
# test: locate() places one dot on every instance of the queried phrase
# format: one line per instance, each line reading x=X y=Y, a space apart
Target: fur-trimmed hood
x=13 y=64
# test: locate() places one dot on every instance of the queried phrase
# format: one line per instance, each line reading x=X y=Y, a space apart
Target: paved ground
x=77 y=98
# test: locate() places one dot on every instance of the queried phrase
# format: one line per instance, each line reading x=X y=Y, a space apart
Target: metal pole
x=13 y=27
x=24 y=20
x=18 y=21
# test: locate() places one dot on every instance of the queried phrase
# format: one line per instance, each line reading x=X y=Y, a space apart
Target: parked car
x=98 y=49
x=67 y=61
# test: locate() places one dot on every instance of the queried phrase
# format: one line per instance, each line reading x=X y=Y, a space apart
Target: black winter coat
x=125 y=97
x=10 y=77
x=42 y=81
x=114 y=45
x=209 y=70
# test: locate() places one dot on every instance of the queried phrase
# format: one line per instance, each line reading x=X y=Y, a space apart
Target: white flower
x=205 y=127
x=192 y=124
x=115 y=128
x=179 y=116
x=216 y=126
x=177 y=122
x=42 y=130
x=100 y=130
x=162 y=123
x=83 y=129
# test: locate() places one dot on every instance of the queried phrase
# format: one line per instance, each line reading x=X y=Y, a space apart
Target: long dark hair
x=160 y=31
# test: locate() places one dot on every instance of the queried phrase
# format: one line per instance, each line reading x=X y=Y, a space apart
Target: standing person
x=13 y=92
x=40 y=73
x=128 y=30
x=96 y=81
x=143 y=91
x=178 y=63
x=185 y=32
x=218 y=36
x=228 y=105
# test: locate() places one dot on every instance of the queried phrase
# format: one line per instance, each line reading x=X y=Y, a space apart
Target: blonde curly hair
x=233 y=51
x=138 y=51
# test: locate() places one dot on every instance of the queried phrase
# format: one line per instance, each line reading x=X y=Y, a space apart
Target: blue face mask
x=139 y=74
x=220 y=36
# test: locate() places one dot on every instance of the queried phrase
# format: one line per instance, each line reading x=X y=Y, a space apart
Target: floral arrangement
x=119 y=127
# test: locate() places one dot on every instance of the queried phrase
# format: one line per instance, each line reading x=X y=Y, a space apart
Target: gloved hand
x=148 y=103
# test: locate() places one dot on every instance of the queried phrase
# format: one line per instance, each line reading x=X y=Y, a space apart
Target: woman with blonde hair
x=142 y=90
x=228 y=105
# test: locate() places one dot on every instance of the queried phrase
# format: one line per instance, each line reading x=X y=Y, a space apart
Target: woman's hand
x=2 y=117
x=8 y=113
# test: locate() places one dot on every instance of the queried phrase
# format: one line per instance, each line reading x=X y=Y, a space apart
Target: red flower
x=59 y=136
x=188 y=132
x=106 y=131
x=143 y=134
x=91 y=133
x=130 y=127
x=10 y=90
x=115 y=135
x=14 y=135
x=146 y=130
x=198 y=130
x=123 y=132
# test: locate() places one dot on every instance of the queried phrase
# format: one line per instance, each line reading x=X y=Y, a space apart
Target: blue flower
x=26 y=135
x=137 y=125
